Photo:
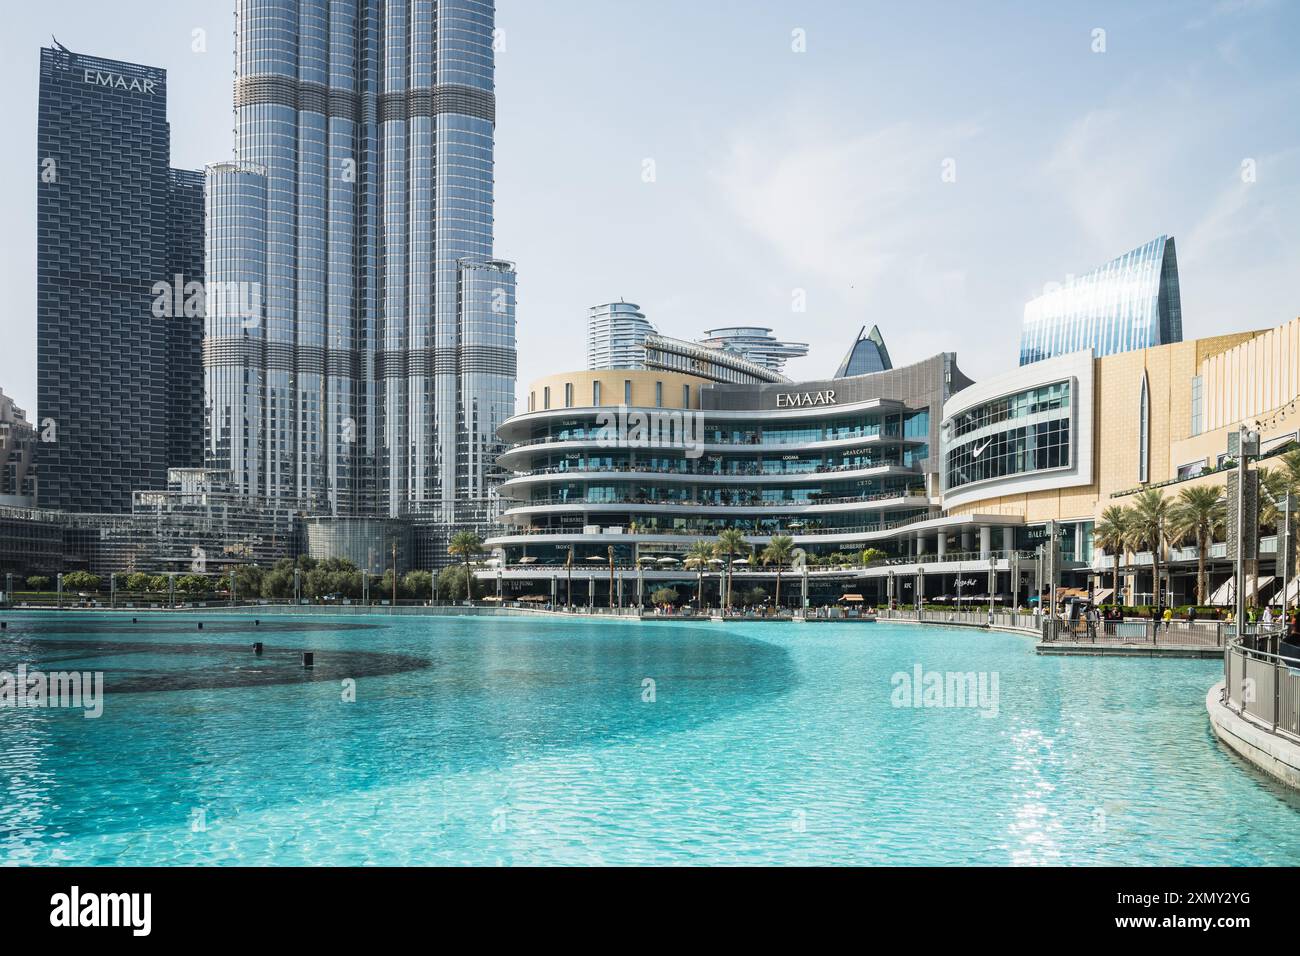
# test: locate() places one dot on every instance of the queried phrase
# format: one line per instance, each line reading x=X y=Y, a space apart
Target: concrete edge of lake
x=1276 y=756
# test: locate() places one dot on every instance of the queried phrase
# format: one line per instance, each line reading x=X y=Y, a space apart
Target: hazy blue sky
x=820 y=170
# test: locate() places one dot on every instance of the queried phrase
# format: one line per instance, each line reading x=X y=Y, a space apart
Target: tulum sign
x=117 y=81
x=801 y=399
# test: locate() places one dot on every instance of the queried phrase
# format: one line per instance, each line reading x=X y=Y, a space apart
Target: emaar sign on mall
x=801 y=399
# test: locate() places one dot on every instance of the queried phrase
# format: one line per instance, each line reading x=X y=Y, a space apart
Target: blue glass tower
x=118 y=397
x=1129 y=303
x=366 y=352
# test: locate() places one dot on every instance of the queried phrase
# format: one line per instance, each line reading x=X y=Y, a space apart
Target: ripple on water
x=540 y=741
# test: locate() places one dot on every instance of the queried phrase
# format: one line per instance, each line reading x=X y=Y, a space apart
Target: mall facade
x=964 y=487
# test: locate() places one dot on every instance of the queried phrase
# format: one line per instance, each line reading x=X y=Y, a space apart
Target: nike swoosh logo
x=980 y=450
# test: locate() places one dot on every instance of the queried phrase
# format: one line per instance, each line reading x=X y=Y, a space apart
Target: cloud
x=837 y=207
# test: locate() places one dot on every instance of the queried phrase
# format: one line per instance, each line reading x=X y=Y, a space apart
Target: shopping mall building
x=615 y=473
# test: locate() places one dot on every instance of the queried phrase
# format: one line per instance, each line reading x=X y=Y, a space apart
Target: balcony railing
x=803 y=529
x=742 y=441
x=1262 y=686
x=751 y=502
x=703 y=472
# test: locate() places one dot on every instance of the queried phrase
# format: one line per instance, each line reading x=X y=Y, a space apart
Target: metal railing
x=1261 y=685
x=975 y=617
x=1137 y=632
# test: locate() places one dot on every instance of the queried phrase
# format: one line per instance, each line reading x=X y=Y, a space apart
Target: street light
x=993 y=581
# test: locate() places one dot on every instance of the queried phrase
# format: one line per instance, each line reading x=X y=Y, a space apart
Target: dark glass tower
x=116 y=379
x=366 y=354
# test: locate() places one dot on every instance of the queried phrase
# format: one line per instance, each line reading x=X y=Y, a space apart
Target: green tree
x=871 y=555
x=137 y=582
x=664 y=596
x=1198 y=515
x=467 y=546
x=193 y=583
x=278 y=582
x=779 y=551
x=698 y=557
x=731 y=543
x=38 y=582
x=1111 y=534
x=248 y=580
x=451 y=582
x=1150 y=528
x=160 y=583
x=81 y=581
x=418 y=584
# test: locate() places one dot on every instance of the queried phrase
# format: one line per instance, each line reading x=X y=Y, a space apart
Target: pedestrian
x=1168 y=617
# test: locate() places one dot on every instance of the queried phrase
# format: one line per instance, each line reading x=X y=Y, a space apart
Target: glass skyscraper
x=1129 y=303
x=361 y=353
x=119 y=238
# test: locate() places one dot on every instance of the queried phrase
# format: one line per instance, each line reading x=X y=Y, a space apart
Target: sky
x=927 y=167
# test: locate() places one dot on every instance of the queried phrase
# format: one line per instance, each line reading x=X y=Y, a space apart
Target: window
x=659 y=394
x=1198 y=390
x=546 y=396
x=1144 y=431
x=686 y=396
x=627 y=391
x=568 y=394
x=595 y=393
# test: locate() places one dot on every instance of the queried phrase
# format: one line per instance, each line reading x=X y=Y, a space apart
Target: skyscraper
x=362 y=352
x=1131 y=302
x=616 y=334
x=115 y=227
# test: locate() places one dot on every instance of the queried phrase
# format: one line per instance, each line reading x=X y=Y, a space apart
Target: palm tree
x=467 y=545
x=1149 y=528
x=1291 y=468
x=1199 y=514
x=779 y=551
x=1111 y=534
x=731 y=542
x=1274 y=485
x=698 y=557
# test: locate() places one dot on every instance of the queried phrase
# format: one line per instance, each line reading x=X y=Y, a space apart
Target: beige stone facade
x=634 y=388
x=1247 y=376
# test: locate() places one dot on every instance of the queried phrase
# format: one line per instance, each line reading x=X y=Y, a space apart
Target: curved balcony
x=803 y=532
x=596 y=506
x=541 y=476
x=519 y=453
x=512 y=429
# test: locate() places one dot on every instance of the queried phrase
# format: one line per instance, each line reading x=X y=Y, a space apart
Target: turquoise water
x=534 y=741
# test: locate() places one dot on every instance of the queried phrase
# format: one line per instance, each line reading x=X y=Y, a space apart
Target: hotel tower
x=360 y=350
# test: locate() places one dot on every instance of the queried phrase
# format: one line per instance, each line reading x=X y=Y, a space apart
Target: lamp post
x=112 y=590
x=1244 y=443
x=993 y=581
